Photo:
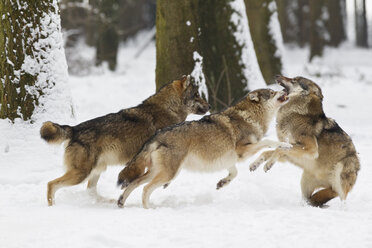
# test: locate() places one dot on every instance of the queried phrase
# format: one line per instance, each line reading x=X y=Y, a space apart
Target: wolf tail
x=136 y=167
x=54 y=133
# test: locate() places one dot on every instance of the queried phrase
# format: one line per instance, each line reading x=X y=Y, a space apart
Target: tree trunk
x=318 y=32
x=361 y=23
x=107 y=39
x=177 y=38
x=336 y=23
x=260 y=14
x=32 y=61
x=223 y=68
x=303 y=20
x=287 y=19
x=191 y=33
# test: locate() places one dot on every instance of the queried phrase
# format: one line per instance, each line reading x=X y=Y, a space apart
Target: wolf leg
x=245 y=151
x=71 y=177
x=225 y=181
x=262 y=158
x=159 y=180
x=137 y=182
x=308 y=185
x=92 y=183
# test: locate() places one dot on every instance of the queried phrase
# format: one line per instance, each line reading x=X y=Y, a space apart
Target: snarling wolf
x=213 y=143
x=320 y=147
x=115 y=138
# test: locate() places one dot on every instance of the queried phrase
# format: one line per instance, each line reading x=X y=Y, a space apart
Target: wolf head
x=305 y=96
x=299 y=86
x=268 y=97
x=190 y=96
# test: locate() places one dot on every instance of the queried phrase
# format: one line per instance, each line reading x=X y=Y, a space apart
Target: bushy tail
x=54 y=133
x=136 y=167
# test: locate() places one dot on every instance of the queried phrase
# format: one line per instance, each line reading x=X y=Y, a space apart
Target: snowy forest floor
x=256 y=210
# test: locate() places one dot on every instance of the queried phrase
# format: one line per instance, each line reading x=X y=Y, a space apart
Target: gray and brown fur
x=215 y=142
x=115 y=138
x=319 y=146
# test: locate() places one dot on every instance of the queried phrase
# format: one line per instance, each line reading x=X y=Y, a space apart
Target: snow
x=198 y=75
x=257 y=209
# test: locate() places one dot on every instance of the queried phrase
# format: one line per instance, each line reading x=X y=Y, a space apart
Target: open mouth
x=286 y=88
x=284 y=97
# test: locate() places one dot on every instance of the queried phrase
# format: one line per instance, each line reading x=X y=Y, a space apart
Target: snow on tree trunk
x=33 y=69
x=265 y=32
x=209 y=40
x=361 y=23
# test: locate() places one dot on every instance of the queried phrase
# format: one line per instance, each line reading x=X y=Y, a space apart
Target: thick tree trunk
x=223 y=68
x=187 y=30
x=336 y=22
x=30 y=46
x=177 y=38
x=361 y=23
x=259 y=14
x=318 y=31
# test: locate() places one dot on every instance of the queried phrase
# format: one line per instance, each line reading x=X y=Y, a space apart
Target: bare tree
x=361 y=23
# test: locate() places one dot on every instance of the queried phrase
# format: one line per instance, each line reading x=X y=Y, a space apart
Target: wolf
x=320 y=147
x=115 y=138
x=212 y=143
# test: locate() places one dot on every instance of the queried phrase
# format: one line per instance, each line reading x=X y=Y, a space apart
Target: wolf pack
x=154 y=142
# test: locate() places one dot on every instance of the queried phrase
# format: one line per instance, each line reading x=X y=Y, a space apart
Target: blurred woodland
x=187 y=33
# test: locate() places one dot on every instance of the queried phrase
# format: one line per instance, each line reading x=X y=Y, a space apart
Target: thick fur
x=213 y=143
x=116 y=138
x=319 y=146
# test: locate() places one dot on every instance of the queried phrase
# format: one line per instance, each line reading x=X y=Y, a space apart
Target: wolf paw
x=284 y=146
x=268 y=165
x=222 y=183
x=120 y=202
x=256 y=164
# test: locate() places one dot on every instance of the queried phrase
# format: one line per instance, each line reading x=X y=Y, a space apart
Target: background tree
x=361 y=23
x=260 y=14
x=191 y=31
x=336 y=22
x=32 y=62
x=318 y=31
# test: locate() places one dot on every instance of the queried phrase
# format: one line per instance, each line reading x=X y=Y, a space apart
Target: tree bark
x=106 y=15
x=336 y=22
x=318 y=30
x=361 y=23
x=259 y=14
x=203 y=27
x=27 y=37
x=177 y=38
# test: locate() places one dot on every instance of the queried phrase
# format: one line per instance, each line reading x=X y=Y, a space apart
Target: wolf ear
x=253 y=96
x=186 y=81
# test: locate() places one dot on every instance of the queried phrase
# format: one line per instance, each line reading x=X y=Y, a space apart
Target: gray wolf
x=115 y=138
x=215 y=142
x=320 y=147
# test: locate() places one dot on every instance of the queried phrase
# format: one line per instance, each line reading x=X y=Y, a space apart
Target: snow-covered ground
x=256 y=210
